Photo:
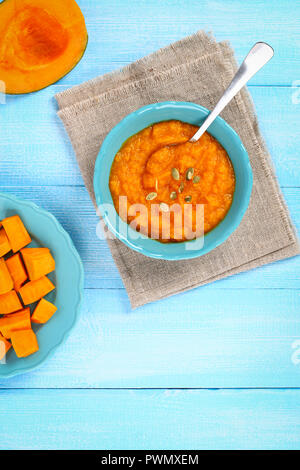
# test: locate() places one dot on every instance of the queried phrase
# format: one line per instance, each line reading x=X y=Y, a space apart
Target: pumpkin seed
x=196 y=179
x=189 y=173
x=188 y=198
x=156 y=184
x=151 y=196
x=181 y=187
x=164 y=207
x=175 y=174
x=173 y=195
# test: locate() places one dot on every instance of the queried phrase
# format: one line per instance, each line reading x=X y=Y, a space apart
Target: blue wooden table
x=217 y=367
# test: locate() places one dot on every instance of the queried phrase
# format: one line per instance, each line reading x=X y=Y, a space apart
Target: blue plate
x=135 y=122
x=45 y=231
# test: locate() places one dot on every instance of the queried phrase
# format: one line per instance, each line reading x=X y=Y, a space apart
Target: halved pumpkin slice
x=40 y=42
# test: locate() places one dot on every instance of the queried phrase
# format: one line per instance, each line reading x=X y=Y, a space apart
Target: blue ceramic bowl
x=135 y=122
x=45 y=231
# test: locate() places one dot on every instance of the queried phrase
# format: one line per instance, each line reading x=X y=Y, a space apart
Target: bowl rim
x=166 y=252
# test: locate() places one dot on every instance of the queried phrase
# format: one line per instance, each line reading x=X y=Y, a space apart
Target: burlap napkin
x=196 y=69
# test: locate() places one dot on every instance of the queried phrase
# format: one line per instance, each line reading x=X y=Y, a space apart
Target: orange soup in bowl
x=159 y=180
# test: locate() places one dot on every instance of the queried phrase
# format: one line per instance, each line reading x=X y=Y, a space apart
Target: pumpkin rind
x=40 y=42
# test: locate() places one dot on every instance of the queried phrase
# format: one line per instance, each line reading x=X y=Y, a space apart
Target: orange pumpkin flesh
x=6 y=282
x=24 y=342
x=38 y=262
x=4 y=243
x=4 y=347
x=43 y=312
x=16 y=232
x=40 y=42
x=14 y=322
x=35 y=290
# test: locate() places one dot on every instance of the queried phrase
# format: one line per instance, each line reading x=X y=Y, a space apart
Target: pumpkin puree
x=150 y=170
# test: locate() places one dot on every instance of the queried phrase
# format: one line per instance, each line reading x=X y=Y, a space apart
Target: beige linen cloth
x=196 y=69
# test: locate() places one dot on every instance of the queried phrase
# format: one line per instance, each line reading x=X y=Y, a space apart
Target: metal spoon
x=258 y=56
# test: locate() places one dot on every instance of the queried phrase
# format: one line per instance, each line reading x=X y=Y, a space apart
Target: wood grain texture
x=204 y=338
x=207 y=419
x=36 y=145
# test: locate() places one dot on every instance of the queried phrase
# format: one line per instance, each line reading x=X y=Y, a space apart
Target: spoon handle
x=258 y=56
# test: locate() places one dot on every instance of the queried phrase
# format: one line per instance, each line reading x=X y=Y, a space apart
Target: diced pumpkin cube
x=17 y=270
x=14 y=322
x=6 y=282
x=4 y=347
x=9 y=303
x=35 y=290
x=24 y=342
x=4 y=243
x=16 y=232
x=43 y=311
x=38 y=262
x=36 y=251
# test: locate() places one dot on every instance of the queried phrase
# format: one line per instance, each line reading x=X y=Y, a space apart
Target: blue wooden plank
x=35 y=149
x=206 y=419
x=123 y=31
x=74 y=209
x=203 y=338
